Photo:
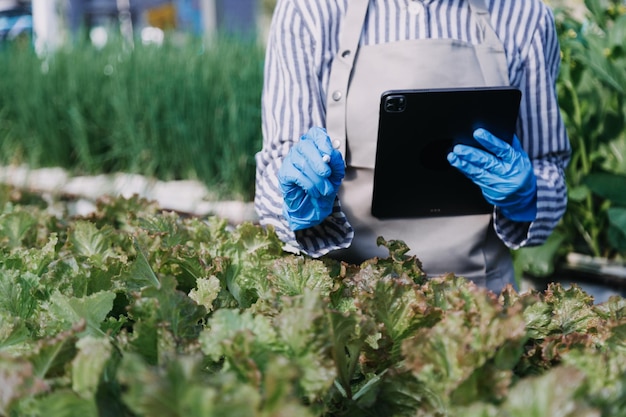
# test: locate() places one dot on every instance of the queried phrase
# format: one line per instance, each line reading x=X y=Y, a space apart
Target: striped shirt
x=303 y=40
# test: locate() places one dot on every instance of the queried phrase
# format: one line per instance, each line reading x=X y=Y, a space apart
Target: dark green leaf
x=609 y=186
x=539 y=261
x=579 y=193
x=167 y=227
x=13 y=333
x=176 y=310
x=141 y=273
x=17 y=289
x=617 y=231
x=346 y=348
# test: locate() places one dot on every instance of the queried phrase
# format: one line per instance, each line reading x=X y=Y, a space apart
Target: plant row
x=183 y=110
x=132 y=311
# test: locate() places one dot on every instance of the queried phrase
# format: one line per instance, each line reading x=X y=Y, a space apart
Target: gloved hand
x=505 y=177
x=309 y=179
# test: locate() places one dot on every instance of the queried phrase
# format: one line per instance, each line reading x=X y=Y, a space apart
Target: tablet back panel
x=417 y=129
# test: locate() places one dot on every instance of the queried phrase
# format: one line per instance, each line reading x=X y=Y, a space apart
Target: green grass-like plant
x=182 y=110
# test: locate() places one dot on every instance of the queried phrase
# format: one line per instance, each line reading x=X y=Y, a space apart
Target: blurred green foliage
x=180 y=110
x=592 y=96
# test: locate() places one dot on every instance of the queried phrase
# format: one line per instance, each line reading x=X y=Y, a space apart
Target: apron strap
x=343 y=62
x=488 y=35
x=340 y=72
x=489 y=44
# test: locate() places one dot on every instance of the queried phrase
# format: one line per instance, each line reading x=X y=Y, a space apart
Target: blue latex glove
x=506 y=176
x=309 y=179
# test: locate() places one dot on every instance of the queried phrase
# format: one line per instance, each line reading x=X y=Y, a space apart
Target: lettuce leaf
x=470 y=353
x=132 y=312
x=88 y=365
x=92 y=309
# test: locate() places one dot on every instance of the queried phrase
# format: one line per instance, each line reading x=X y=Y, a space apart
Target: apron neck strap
x=343 y=62
x=488 y=35
x=341 y=68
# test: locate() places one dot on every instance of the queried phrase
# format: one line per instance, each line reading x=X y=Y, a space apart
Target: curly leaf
x=15 y=226
x=225 y=324
x=51 y=356
x=174 y=309
x=65 y=404
x=476 y=340
x=89 y=241
x=294 y=275
x=206 y=291
x=175 y=389
x=93 y=309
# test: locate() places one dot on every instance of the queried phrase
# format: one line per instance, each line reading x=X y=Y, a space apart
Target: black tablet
x=416 y=130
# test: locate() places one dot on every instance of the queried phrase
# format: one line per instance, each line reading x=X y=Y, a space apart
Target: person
x=327 y=63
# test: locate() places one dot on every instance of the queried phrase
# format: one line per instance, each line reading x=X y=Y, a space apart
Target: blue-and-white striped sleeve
x=293 y=100
x=302 y=41
x=541 y=131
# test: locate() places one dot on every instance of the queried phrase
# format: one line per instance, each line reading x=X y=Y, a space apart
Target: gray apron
x=464 y=245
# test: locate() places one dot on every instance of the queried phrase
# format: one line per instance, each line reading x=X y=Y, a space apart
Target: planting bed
x=130 y=310
x=80 y=193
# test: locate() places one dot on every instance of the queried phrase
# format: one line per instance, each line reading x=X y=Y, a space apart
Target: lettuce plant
x=132 y=311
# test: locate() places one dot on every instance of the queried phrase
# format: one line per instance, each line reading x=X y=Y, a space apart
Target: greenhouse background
x=135 y=280
x=53 y=21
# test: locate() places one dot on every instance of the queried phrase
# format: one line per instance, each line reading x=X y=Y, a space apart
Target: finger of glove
x=478 y=176
x=515 y=168
x=476 y=163
x=501 y=169
x=497 y=146
x=310 y=159
x=523 y=166
x=323 y=143
x=330 y=155
x=320 y=138
x=307 y=159
x=495 y=188
x=295 y=178
x=489 y=183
